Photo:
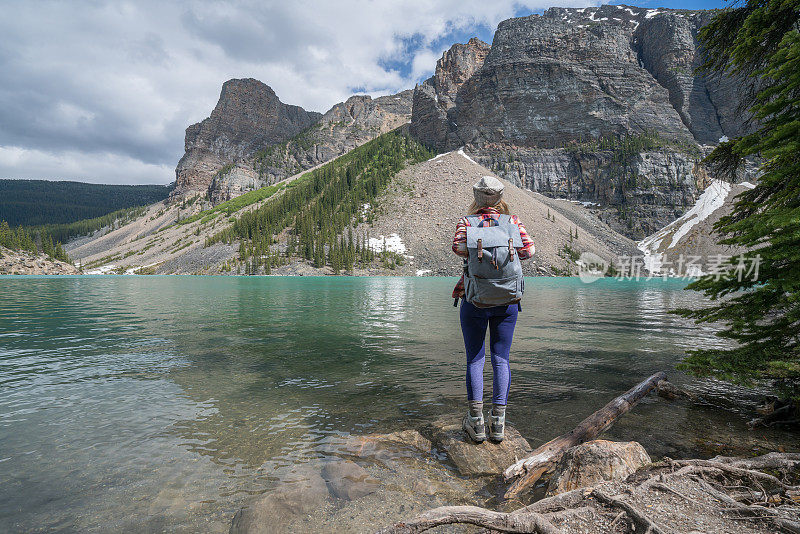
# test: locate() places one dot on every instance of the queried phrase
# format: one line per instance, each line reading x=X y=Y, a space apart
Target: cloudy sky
x=102 y=91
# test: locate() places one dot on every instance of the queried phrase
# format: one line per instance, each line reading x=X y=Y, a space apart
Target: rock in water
x=486 y=458
x=400 y=443
x=596 y=461
x=349 y=481
x=294 y=498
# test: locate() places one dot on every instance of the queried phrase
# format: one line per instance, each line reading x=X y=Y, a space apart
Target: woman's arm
x=527 y=249
x=460 y=239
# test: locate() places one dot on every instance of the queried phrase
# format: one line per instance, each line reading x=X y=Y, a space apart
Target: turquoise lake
x=144 y=404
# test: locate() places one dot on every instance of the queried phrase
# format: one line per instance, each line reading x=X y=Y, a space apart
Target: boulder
x=304 y=492
x=596 y=461
x=349 y=481
x=473 y=459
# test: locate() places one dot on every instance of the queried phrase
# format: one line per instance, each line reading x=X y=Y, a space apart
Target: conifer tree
x=59 y=253
x=758 y=39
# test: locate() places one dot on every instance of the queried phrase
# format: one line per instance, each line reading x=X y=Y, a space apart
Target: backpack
x=493 y=271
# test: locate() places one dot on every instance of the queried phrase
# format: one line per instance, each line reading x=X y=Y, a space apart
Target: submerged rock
x=294 y=498
x=473 y=459
x=401 y=443
x=596 y=461
x=349 y=481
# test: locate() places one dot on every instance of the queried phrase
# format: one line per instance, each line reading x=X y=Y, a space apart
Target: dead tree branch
x=634 y=513
x=530 y=469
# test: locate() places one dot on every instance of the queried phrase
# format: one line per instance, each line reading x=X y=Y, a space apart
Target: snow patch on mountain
x=654 y=246
x=392 y=243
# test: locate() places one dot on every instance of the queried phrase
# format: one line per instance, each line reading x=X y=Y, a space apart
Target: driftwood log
x=528 y=470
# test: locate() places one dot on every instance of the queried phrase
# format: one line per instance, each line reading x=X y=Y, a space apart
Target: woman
x=487 y=206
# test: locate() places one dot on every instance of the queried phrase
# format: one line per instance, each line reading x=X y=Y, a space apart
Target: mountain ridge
x=252 y=139
x=598 y=105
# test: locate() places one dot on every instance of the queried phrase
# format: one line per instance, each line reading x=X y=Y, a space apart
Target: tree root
x=663 y=487
x=738 y=471
x=774 y=460
x=634 y=513
x=562 y=501
x=473 y=515
x=753 y=510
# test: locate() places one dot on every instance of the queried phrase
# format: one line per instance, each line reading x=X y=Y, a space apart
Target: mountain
x=375 y=196
x=596 y=117
x=595 y=104
x=247 y=117
x=252 y=139
x=437 y=95
x=39 y=202
x=342 y=128
x=419 y=212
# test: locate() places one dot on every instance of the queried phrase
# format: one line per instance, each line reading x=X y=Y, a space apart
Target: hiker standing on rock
x=492 y=243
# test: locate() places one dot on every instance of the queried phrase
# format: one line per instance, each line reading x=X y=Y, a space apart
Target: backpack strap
x=478 y=222
x=473 y=220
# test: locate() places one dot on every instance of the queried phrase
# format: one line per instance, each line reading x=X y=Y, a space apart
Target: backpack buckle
x=480 y=250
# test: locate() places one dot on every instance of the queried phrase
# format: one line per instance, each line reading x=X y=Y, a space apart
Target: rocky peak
x=369 y=112
x=456 y=66
x=572 y=74
x=551 y=80
x=248 y=117
x=253 y=139
x=438 y=93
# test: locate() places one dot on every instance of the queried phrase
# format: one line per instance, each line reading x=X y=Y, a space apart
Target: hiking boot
x=497 y=430
x=475 y=428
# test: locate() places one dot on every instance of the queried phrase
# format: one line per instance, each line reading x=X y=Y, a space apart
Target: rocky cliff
x=247 y=117
x=343 y=127
x=437 y=94
x=599 y=105
x=253 y=139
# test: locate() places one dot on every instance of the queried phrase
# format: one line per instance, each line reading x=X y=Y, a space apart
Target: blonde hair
x=501 y=207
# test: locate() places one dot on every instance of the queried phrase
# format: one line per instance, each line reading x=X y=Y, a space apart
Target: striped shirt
x=460 y=241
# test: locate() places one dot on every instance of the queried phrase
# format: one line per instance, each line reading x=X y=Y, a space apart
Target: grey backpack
x=493 y=272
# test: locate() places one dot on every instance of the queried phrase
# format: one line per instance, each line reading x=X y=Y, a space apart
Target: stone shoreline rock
x=594 y=462
x=348 y=480
x=472 y=459
x=23 y=263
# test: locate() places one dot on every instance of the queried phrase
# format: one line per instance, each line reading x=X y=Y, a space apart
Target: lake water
x=144 y=404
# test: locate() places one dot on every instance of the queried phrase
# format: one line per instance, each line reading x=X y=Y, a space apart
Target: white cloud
x=91 y=81
x=102 y=168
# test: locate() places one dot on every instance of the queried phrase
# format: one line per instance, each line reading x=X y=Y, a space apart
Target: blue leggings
x=501 y=321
